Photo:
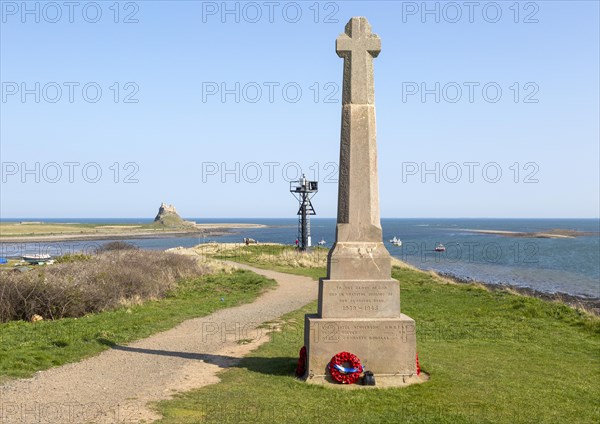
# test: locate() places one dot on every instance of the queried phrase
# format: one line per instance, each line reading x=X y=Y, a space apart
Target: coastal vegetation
x=492 y=356
x=314 y=264
x=493 y=359
x=273 y=256
x=86 y=284
x=89 y=303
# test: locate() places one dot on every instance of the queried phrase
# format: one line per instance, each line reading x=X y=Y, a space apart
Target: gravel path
x=116 y=385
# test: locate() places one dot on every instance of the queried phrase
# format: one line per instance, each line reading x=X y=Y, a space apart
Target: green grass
x=492 y=356
x=28 y=347
x=280 y=258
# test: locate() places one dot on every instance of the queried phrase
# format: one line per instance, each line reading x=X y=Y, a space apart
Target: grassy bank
x=493 y=357
x=277 y=257
x=313 y=264
x=28 y=347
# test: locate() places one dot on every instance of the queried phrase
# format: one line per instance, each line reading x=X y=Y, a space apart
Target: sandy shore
x=555 y=233
x=124 y=232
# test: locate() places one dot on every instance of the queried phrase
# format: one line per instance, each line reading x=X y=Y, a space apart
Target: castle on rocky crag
x=165 y=209
x=168 y=216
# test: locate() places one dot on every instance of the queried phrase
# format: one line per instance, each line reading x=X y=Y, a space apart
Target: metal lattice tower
x=304 y=190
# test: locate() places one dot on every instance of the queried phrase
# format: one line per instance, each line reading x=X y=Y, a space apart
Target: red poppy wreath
x=301 y=368
x=341 y=372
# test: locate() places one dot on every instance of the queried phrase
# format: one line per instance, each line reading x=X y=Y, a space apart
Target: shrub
x=105 y=281
x=74 y=257
x=116 y=245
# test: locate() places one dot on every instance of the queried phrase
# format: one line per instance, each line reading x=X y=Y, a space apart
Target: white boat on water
x=396 y=241
x=322 y=242
x=38 y=258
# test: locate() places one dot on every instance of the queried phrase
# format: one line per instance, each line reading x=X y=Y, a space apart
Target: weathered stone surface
x=359 y=261
x=358 y=192
x=387 y=347
x=359 y=302
x=358 y=46
x=359 y=298
x=358 y=252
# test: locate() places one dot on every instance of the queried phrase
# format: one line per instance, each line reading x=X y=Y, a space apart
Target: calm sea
x=566 y=265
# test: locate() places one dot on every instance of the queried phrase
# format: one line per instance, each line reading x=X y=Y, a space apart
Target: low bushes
x=104 y=281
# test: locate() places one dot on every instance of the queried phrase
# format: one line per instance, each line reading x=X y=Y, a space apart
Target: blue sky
x=160 y=130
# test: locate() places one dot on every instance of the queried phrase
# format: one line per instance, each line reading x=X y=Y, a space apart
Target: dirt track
x=116 y=385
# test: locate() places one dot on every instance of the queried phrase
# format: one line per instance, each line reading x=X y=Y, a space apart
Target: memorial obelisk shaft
x=358 y=221
x=358 y=209
x=359 y=302
x=358 y=252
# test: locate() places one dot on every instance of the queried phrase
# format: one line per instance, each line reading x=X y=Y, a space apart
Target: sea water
x=569 y=265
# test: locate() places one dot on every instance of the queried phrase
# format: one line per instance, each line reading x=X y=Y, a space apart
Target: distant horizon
x=11 y=219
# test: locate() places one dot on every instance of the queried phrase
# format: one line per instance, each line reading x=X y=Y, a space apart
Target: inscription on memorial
x=354 y=331
x=356 y=297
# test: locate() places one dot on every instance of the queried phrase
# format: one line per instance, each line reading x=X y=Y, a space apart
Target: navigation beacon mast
x=304 y=190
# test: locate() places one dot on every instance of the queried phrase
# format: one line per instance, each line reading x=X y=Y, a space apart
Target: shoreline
x=201 y=230
x=591 y=304
x=556 y=233
x=588 y=303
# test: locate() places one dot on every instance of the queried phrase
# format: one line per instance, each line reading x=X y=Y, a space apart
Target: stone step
x=385 y=346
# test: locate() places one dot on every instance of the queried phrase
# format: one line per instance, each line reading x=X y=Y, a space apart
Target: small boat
x=38 y=258
x=322 y=242
x=396 y=241
x=440 y=248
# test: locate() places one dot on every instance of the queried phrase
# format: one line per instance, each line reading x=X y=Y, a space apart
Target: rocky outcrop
x=165 y=210
x=168 y=217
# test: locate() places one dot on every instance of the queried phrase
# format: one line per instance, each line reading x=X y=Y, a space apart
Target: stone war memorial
x=359 y=302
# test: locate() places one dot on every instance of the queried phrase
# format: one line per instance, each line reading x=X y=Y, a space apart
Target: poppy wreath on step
x=301 y=368
x=342 y=373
